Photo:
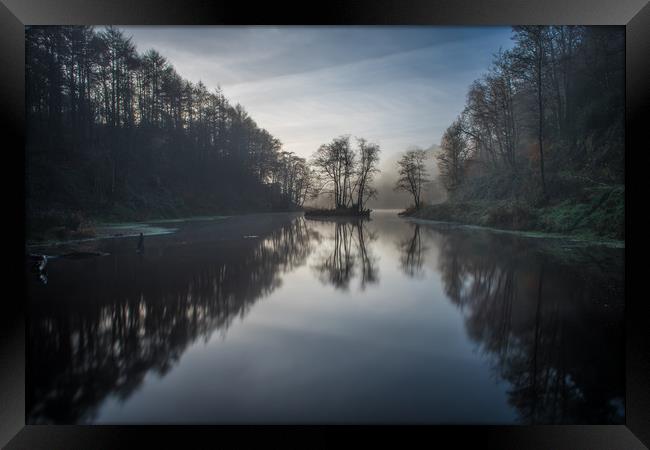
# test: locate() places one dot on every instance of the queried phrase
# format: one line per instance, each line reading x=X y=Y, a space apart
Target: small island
x=344 y=174
x=337 y=212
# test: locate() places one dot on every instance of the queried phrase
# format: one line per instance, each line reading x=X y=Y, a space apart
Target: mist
x=388 y=198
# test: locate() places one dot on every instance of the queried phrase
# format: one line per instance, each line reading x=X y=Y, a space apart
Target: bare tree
x=489 y=118
x=454 y=155
x=412 y=174
x=368 y=158
x=532 y=57
x=346 y=173
x=334 y=165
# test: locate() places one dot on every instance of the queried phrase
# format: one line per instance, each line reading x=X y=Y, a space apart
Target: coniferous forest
x=115 y=134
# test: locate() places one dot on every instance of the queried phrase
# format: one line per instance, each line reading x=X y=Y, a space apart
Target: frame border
x=14 y=14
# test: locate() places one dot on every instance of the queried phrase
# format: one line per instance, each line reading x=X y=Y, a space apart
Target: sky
x=396 y=86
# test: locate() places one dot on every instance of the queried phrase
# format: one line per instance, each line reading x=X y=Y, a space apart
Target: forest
x=540 y=144
x=113 y=134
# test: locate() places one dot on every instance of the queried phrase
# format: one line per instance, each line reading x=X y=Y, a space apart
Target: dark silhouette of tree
x=531 y=123
x=346 y=173
x=412 y=174
x=112 y=131
x=488 y=120
x=368 y=158
x=453 y=157
x=531 y=53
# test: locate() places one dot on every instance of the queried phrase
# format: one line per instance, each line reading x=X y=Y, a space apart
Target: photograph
x=344 y=223
x=255 y=224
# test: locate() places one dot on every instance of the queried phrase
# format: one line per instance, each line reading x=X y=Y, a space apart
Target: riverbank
x=53 y=225
x=598 y=213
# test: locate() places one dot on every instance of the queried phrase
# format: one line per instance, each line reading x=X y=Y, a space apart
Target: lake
x=275 y=318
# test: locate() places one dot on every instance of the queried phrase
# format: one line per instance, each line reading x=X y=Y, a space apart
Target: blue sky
x=396 y=86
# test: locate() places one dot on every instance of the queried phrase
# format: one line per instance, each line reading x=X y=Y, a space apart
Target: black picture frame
x=15 y=14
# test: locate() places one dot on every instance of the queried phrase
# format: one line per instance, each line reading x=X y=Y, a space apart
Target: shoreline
x=596 y=214
x=133 y=228
x=532 y=234
x=349 y=213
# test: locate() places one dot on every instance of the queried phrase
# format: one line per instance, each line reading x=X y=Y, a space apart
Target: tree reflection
x=348 y=250
x=411 y=253
x=125 y=320
x=552 y=329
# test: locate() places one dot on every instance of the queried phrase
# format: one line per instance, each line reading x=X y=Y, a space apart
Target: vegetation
x=345 y=174
x=540 y=143
x=412 y=174
x=598 y=214
x=336 y=212
x=113 y=134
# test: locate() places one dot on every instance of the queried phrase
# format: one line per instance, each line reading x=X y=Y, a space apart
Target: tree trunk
x=541 y=119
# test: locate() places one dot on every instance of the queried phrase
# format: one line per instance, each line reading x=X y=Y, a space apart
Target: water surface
x=275 y=318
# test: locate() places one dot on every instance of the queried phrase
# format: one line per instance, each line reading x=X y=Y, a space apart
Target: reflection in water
x=551 y=328
x=412 y=249
x=79 y=355
x=548 y=324
x=347 y=248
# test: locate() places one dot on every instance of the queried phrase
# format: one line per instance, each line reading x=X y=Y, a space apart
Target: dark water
x=279 y=319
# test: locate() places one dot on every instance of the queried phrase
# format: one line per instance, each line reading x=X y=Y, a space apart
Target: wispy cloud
x=397 y=86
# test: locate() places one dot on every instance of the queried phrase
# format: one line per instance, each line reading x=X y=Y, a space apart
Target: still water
x=275 y=318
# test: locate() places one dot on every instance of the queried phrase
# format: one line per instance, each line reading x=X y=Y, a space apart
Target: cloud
x=396 y=86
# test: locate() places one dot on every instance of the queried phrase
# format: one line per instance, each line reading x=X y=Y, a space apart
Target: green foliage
x=597 y=212
x=594 y=213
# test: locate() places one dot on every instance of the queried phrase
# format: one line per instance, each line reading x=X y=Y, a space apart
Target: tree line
x=547 y=117
x=112 y=129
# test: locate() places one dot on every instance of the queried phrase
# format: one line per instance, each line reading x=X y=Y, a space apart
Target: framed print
x=271 y=223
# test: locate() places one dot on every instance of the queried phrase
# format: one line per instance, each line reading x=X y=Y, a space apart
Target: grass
x=596 y=213
x=600 y=212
